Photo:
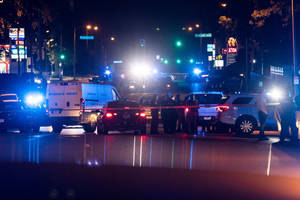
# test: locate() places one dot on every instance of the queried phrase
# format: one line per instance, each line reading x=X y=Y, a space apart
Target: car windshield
x=209 y=98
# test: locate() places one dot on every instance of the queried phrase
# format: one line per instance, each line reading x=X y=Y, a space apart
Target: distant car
x=240 y=111
x=122 y=116
x=15 y=114
x=208 y=103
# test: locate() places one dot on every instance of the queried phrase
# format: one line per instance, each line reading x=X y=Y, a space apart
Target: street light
x=178 y=61
x=197 y=25
x=112 y=38
x=223 y=4
x=178 y=43
x=190 y=28
x=191 y=60
x=96 y=28
x=88 y=27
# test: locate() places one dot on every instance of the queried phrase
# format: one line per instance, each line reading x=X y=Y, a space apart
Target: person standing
x=262 y=114
x=287 y=111
x=180 y=114
x=154 y=115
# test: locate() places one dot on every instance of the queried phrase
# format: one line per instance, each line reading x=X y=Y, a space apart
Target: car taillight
x=143 y=115
x=222 y=108
x=187 y=110
x=82 y=105
x=108 y=115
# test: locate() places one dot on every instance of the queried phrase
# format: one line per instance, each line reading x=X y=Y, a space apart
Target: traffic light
x=62 y=56
x=178 y=61
x=178 y=43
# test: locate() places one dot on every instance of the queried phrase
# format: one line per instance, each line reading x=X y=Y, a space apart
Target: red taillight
x=108 y=115
x=187 y=110
x=222 y=108
x=82 y=101
x=143 y=115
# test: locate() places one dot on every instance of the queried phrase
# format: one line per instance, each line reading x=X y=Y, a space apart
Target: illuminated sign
x=4 y=58
x=211 y=47
x=87 y=37
x=13 y=34
x=219 y=63
x=22 y=52
x=203 y=35
x=232 y=43
x=232 y=50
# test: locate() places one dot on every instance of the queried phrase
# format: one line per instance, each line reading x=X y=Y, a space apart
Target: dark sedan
x=122 y=116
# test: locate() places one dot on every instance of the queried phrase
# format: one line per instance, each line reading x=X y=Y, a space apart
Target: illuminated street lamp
x=197 y=25
x=88 y=27
x=223 y=4
x=191 y=60
x=112 y=38
x=96 y=28
x=178 y=43
x=178 y=61
x=190 y=28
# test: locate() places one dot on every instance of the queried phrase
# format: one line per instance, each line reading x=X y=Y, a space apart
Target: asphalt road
x=217 y=152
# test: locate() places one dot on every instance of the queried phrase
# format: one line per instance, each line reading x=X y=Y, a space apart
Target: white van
x=74 y=103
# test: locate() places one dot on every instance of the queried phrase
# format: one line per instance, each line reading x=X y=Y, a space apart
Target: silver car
x=240 y=111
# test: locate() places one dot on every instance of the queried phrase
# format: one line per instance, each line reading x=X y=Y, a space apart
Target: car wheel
x=89 y=128
x=246 y=125
x=101 y=129
x=57 y=127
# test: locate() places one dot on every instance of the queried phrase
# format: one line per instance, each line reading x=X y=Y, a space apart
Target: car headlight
x=34 y=100
x=275 y=93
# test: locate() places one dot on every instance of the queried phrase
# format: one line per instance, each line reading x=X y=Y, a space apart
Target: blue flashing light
x=34 y=99
x=197 y=71
x=107 y=72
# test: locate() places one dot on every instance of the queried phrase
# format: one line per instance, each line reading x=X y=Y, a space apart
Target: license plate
x=1 y=120
x=207 y=118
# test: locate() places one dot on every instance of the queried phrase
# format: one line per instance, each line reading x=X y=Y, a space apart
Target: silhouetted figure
x=192 y=115
x=169 y=115
x=287 y=111
x=180 y=114
x=262 y=114
x=154 y=115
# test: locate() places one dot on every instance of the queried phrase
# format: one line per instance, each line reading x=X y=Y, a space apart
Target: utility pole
x=18 y=51
x=294 y=53
x=74 y=52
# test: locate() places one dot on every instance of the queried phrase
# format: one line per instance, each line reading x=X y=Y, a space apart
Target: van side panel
x=64 y=99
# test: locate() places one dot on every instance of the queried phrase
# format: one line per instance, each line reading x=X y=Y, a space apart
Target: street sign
x=87 y=37
x=118 y=61
x=211 y=47
x=203 y=35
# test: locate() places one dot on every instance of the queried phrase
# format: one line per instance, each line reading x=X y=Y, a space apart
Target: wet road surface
x=217 y=152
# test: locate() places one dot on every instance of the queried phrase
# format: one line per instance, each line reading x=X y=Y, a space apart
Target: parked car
x=15 y=114
x=122 y=115
x=78 y=103
x=240 y=111
x=208 y=103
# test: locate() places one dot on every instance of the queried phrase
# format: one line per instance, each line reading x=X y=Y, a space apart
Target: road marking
x=141 y=150
x=133 y=153
x=269 y=160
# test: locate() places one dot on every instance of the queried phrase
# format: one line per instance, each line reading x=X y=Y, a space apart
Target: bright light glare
x=141 y=70
x=38 y=81
x=197 y=71
x=275 y=93
x=155 y=71
x=34 y=99
x=107 y=72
